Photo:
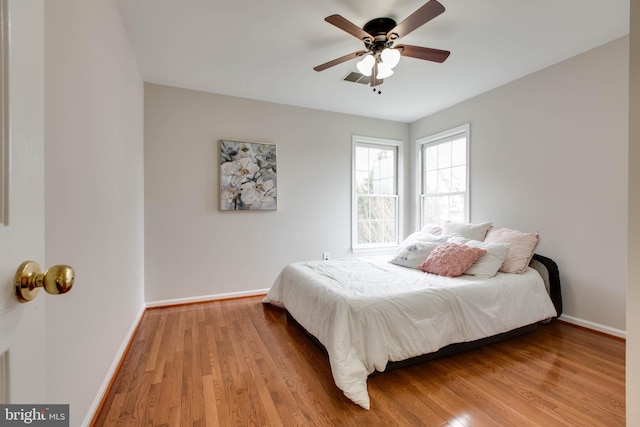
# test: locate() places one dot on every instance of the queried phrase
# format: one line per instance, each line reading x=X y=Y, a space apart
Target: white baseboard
x=595 y=326
x=205 y=298
x=112 y=370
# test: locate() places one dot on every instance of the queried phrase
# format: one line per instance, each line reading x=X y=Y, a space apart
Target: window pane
x=377 y=232
x=384 y=186
x=439 y=209
x=444 y=181
x=383 y=231
x=436 y=209
x=364 y=232
x=373 y=154
x=363 y=182
x=456 y=208
x=431 y=157
x=444 y=155
x=429 y=210
x=376 y=219
x=383 y=207
x=362 y=159
x=364 y=208
x=458 y=178
x=375 y=171
x=459 y=152
x=384 y=163
x=431 y=182
x=383 y=213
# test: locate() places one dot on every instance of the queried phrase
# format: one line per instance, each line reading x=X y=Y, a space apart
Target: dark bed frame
x=554 y=292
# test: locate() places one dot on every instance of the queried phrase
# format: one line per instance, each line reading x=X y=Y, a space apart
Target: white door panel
x=22 y=229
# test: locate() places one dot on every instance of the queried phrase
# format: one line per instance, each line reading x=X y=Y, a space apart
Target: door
x=22 y=338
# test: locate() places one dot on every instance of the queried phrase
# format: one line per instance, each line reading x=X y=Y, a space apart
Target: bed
x=371 y=315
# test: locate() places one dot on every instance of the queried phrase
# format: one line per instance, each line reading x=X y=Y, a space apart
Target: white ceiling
x=266 y=50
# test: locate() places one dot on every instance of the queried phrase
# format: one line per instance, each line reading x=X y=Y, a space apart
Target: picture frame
x=248 y=176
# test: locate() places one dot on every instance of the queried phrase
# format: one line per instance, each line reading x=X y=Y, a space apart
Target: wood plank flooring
x=241 y=363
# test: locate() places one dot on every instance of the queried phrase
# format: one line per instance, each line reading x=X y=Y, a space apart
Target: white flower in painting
x=239 y=171
x=229 y=196
x=259 y=194
x=245 y=151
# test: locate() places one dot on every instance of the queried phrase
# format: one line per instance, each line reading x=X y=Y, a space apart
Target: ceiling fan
x=379 y=35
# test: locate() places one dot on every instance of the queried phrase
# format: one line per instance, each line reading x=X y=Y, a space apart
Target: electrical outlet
x=326 y=256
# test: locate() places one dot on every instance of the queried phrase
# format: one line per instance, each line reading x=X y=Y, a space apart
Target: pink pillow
x=451 y=259
x=521 y=251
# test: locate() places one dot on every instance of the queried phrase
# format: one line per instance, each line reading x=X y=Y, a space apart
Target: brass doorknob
x=29 y=279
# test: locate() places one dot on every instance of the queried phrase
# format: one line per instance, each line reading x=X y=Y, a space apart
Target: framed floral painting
x=247 y=176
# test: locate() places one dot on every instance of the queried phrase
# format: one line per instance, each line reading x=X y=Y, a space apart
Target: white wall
x=192 y=249
x=93 y=195
x=549 y=153
x=633 y=268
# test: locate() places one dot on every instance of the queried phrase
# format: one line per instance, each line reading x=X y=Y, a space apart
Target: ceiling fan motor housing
x=379 y=28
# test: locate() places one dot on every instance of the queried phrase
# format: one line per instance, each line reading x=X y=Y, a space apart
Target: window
x=445 y=176
x=375 y=193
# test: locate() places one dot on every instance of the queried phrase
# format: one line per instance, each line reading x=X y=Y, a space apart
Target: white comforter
x=366 y=311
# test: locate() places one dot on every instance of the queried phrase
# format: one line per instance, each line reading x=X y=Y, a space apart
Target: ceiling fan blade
x=426 y=53
x=418 y=18
x=339 y=60
x=348 y=26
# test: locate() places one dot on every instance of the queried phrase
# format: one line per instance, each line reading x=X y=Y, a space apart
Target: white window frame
x=436 y=139
x=356 y=141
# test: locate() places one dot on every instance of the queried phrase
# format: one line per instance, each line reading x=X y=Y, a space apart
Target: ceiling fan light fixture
x=390 y=57
x=384 y=71
x=366 y=65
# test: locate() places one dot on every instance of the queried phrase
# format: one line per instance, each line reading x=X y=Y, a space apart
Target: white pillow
x=411 y=237
x=423 y=237
x=470 y=231
x=432 y=229
x=413 y=253
x=488 y=264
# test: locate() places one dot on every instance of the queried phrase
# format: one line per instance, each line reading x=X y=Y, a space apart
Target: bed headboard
x=552 y=276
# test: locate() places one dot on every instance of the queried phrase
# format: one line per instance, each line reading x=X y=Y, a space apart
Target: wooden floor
x=242 y=363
